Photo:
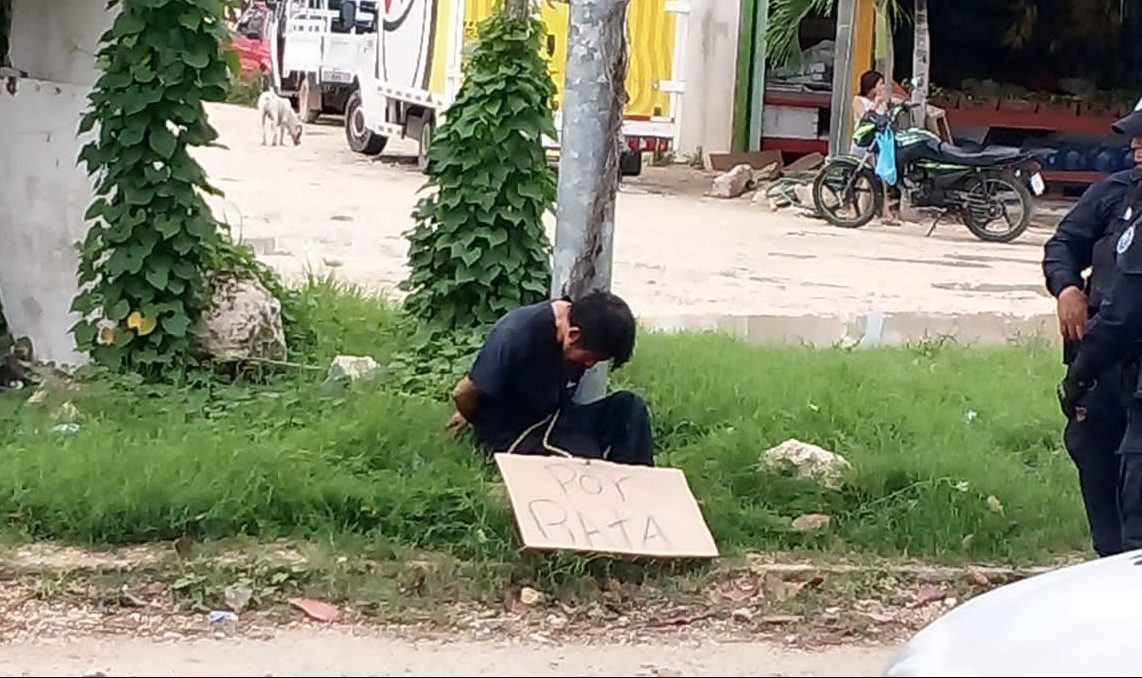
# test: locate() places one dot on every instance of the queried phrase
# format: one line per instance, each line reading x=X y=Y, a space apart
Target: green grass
x=289 y=458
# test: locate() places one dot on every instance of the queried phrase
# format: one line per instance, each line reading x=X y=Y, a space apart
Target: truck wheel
x=630 y=164
x=426 y=130
x=360 y=138
x=308 y=102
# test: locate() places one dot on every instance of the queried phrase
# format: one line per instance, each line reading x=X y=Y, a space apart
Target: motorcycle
x=977 y=186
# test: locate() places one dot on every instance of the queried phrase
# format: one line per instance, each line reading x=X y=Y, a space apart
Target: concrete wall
x=57 y=40
x=45 y=193
x=710 y=74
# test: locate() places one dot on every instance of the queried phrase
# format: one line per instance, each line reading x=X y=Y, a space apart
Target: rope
x=549 y=421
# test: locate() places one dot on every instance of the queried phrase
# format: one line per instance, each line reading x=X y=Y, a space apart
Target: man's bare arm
x=466 y=398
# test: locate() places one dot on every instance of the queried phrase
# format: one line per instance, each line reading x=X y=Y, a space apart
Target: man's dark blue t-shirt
x=521 y=375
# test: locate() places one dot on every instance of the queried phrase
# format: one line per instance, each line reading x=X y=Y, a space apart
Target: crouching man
x=518 y=394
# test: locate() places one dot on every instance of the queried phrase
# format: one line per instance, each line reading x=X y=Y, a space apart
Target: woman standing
x=869 y=99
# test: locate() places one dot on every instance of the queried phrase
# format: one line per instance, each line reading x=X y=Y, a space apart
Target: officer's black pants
x=1130 y=499
x=1093 y=445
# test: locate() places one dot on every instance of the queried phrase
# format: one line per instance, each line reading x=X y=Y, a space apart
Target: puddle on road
x=989 y=258
x=924 y=262
x=991 y=288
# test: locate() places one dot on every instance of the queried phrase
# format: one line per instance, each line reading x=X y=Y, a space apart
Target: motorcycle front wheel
x=998 y=208
x=847 y=193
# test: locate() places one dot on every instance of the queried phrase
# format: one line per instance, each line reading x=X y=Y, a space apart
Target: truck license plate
x=338 y=76
x=1037 y=184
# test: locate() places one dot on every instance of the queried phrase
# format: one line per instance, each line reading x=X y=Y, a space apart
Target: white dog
x=278 y=112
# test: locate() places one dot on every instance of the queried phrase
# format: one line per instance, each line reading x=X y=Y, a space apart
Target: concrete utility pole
x=517 y=9
x=840 y=115
x=594 y=96
x=921 y=63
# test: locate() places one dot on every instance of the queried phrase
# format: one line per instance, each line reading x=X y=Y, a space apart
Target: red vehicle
x=251 y=40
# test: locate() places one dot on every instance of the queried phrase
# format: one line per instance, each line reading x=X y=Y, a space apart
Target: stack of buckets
x=1089 y=158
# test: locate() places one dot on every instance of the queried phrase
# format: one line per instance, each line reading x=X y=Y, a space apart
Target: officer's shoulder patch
x=1129 y=251
x=1125 y=240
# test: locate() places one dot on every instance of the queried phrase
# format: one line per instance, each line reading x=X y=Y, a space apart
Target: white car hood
x=1082 y=620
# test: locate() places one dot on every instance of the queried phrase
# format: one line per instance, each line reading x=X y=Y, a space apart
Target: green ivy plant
x=478 y=247
x=152 y=237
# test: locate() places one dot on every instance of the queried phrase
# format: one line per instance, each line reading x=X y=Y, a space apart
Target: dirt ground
x=326 y=653
x=321 y=207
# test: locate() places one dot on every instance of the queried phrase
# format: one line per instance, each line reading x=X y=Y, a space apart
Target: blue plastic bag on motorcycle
x=886 y=156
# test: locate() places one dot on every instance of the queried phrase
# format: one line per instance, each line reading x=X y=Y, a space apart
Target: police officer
x=1087 y=237
x=1114 y=337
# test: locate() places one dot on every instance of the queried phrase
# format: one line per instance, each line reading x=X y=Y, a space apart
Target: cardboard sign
x=601 y=507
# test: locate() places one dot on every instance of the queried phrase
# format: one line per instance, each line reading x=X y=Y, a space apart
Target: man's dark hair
x=868 y=82
x=606 y=326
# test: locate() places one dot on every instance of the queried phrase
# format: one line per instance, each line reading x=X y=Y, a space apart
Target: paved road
x=319 y=206
x=322 y=653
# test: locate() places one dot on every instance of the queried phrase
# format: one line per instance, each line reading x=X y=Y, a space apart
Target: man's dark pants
x=1093 y=445
x=615 y=428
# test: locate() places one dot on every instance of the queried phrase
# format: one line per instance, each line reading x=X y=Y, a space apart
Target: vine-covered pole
x=594 y=95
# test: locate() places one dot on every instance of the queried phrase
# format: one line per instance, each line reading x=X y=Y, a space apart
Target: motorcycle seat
x=992 y=155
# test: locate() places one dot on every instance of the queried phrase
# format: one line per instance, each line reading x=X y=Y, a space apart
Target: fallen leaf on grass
x=929 y=594
x=778 y=589
x=976 y=577
x=742 y=590
x=994 y=504
x=155 y=588
x=316 y=609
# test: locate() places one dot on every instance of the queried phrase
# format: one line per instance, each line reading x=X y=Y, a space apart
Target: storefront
x=1016 y=72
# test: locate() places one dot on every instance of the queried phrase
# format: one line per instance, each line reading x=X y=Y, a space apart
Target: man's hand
x=457 y=424
x=1071 y=394
x=1072 y=309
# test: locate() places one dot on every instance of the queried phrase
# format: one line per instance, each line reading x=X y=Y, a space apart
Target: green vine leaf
x=152 y=241
x=468 y=261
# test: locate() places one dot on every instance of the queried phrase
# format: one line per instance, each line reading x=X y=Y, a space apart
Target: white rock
x=810 y=461
x=243 y=321
x=767 y=173
x=743 y=614
x=352 y=367
x=810 y=522
x=733 y=183
x=529 y=596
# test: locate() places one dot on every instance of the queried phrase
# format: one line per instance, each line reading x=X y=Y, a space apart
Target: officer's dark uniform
x=1114 y=337
x=1086 y=237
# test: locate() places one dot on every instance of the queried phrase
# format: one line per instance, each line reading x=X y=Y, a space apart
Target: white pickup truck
x=316 y=46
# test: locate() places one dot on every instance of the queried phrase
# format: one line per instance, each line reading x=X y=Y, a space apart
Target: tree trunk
x=594 y=95
x=517 y=9
x=921 y=60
